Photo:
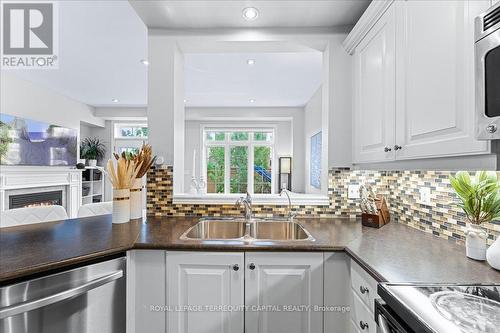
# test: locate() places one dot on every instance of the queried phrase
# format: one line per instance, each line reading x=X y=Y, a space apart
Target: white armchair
x=30 y=215
x=94 y=209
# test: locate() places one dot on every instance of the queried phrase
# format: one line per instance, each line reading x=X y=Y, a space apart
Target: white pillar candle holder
x=136 y=199
x=121 y=205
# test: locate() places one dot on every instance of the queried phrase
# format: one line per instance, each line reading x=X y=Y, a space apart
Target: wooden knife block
x=377 y=220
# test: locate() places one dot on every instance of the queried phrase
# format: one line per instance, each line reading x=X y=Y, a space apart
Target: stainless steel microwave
x=487 y=37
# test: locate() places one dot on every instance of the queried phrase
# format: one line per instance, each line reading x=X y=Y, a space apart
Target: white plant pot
x=475 y=242
x=92 y=163
x=136 y=199
x=121 y=206
x=493 y=254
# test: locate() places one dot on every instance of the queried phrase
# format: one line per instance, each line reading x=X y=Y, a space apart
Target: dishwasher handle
x=382 y=324
x=12 y=310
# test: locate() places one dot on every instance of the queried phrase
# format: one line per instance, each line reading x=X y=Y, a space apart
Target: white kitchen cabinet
x=363 y=295
x=199 y=281
x=374 y=92
x=146 y=290
x=281 y=280
x=337 y=292
x=414 y=94
x=435 y=78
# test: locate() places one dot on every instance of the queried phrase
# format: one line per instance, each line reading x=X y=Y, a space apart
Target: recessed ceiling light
x=250 y=62
x=115 y=100
x=250 y=13
x=185 y=101
x=144 y=62
x=252 y=100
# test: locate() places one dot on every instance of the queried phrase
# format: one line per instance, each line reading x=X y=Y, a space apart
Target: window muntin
x=239 y=150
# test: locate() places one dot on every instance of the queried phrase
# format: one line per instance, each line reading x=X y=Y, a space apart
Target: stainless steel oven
x=88 y=299
x=487 y=36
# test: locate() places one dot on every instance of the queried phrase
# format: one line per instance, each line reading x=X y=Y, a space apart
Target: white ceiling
x=101 y=44
x=276 y=79
x=182 y=14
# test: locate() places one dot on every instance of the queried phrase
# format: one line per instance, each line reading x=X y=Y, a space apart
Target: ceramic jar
x=475 y=242
x=121 y=206
x=493 y=254
x=136 y=199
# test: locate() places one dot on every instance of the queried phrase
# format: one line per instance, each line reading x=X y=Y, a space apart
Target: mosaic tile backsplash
x=443 y=218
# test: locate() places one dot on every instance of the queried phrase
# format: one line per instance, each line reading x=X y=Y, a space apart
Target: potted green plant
x=93 y=150
x=480 y=200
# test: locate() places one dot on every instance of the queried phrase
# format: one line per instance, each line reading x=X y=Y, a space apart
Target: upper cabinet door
x=204 y=279
x=279 y=280
x=435 y=78
x=374 y=92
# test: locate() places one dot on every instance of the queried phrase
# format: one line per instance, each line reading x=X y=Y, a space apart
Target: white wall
x=289 y=141
x=166 y=103
x=339 y=103
x=28 y=100
x=312 y=125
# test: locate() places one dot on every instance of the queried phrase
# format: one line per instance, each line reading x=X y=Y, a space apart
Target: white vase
x=475 y=242
x=493 y=254
x=92 y=163
x=136 y=199
x=121 y=206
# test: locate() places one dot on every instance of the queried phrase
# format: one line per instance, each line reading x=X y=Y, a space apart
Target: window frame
x=118 y=127
x=227 y=143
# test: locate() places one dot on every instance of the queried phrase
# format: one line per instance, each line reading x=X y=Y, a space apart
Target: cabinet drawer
x=362 y=316
x=363 y=285
x=353 y=328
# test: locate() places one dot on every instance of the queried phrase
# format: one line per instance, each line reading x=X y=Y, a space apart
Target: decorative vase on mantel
x=493 y=254
x=475 y=242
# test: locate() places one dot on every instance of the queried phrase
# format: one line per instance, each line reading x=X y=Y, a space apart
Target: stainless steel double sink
x=247 y=230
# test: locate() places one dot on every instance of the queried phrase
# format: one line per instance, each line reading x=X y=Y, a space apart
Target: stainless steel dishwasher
x=84 y=299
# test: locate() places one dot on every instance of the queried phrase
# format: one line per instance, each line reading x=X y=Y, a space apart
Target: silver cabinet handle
x=363 y=289
x=236 y=267
x=12 y=310
x=382 y=324
x=251 y=266
x=397 y=147
x=387 y=149
x=363 y=325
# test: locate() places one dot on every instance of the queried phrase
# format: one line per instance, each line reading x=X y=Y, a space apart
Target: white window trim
x=227 y=144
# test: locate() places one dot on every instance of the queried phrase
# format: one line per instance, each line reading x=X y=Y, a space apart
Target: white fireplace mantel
x=30 y=177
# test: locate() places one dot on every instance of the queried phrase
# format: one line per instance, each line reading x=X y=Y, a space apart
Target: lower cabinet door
x=205 y=292
x=282 y=291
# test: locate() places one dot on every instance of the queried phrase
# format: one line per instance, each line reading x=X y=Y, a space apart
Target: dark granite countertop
x=395 y=253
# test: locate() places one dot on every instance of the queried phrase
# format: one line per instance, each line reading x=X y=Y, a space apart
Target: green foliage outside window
x=215 y=170
x=134 y=132
x=239 y=169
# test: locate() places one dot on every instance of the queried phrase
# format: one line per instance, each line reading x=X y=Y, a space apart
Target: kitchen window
x=239 y=160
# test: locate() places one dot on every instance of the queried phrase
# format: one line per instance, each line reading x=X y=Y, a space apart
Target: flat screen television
x=29 y=142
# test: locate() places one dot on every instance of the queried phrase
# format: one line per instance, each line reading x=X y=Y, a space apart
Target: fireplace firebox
x=36 y=199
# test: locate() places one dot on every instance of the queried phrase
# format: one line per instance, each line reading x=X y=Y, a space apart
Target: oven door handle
x=382 y=324
x=12 y=310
